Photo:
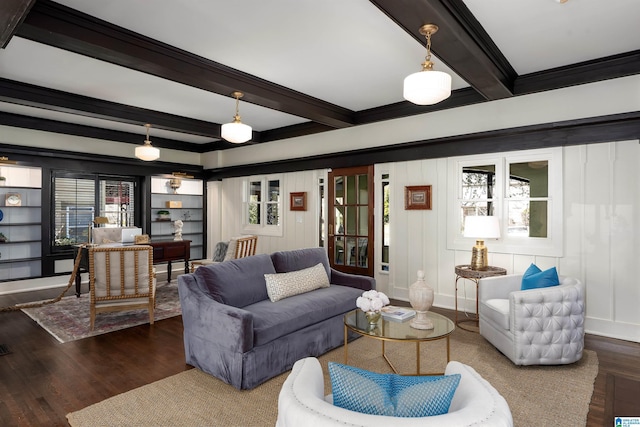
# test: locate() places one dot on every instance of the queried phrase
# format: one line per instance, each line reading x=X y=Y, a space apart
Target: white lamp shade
x=482 y=227
x=427 y=87
x=147 y=152
x=236 y=132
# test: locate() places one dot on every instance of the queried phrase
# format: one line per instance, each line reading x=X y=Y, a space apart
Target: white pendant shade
x=427 y=87
x=147 y=152
x=236 y=132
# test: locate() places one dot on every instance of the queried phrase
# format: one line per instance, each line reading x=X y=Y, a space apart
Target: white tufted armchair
x=533 y=327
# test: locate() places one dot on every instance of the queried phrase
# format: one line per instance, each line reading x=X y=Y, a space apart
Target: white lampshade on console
x=427 y=87
x=480 y=228
x=236 y=132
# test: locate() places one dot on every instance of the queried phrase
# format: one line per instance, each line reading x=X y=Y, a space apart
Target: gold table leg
x=346 y=354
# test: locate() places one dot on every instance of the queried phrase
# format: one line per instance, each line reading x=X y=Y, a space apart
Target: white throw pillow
x=283 y=285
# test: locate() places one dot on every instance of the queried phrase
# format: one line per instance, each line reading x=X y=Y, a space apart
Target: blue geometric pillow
x=534 y=278
x=390 y=394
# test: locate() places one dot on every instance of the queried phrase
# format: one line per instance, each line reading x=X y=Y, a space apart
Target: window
x=523 y=189
x=384 y=264
x=78 y=199
x=263 y=205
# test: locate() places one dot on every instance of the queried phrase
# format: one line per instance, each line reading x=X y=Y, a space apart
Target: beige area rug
x=538 y=396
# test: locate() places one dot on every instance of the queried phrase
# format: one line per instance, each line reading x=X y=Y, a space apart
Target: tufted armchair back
x=533 y=327
x=121 y=278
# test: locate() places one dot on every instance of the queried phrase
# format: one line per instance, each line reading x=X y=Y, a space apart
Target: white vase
x=421 y=299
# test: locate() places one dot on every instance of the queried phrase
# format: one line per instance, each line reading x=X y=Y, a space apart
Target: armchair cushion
x=283 y=285
x=498 y=311
x=391 y=394
x=534 y=278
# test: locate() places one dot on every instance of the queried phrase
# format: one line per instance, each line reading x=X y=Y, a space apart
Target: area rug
x=68 y=319
x=538 y=396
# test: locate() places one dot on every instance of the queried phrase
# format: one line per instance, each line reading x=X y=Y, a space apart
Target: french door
x=350 y=232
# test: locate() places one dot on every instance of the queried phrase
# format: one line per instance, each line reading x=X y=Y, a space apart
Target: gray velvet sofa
x=234 y=332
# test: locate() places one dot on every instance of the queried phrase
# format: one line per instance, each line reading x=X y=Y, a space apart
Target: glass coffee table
x=394 y=330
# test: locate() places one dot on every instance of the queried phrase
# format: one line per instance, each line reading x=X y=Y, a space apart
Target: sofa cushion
x=238 y=282
x=283 y=285
x=272 y=320
x=287 y=261
x=391 y=394
x=534 y=278
x=498 y=312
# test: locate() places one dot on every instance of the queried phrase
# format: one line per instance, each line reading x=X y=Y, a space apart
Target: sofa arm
x=365 y=283
x=223 y=325
x=498 y=287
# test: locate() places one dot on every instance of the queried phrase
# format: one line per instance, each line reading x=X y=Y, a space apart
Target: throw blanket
x=220 y=251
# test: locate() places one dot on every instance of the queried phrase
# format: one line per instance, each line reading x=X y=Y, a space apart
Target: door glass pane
x=351 y=218
x=363 y=259
x=339 y=190
x=363 y=190
x=338 y=255
x=339 y=219
x=351 y=251
x=363 y=220
x=351 y=190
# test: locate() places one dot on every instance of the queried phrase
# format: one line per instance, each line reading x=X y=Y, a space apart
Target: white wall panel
x=601 y=207
x=602 y=210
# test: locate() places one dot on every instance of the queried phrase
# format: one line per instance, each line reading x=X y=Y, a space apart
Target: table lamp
x=480 y=228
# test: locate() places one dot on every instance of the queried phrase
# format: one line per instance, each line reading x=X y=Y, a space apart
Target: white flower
x=372 y=301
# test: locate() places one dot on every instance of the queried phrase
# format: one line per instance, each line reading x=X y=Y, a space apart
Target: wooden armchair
x=121 y=278
x=238 y=247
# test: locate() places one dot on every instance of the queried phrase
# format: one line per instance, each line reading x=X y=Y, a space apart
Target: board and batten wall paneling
x=601 y=234
x=300 y=228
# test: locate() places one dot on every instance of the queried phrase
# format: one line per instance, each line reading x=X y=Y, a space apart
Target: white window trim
x=262 y=229
x=552 y=245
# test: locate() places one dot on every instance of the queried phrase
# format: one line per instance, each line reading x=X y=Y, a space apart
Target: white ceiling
x=347 y=53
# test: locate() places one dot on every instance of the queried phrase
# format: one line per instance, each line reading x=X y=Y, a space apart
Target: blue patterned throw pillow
x=391 y=394
x=534 y=278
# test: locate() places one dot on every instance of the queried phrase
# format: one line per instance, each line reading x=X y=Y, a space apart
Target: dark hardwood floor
x=42 y=380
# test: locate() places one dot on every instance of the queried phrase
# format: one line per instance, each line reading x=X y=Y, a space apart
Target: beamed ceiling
x=102 y=69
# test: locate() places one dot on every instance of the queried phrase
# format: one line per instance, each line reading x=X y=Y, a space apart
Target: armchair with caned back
x=237 y=247
x=121 y=278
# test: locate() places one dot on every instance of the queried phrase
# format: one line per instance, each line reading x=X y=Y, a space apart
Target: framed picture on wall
x=298 y=201
x=417 y=197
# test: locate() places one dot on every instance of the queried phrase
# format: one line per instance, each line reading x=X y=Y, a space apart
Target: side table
x=465 y=272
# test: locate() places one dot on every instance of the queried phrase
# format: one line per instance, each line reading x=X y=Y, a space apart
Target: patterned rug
x=68 y=319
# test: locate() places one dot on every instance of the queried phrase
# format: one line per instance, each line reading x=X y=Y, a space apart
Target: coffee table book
x=391 y=312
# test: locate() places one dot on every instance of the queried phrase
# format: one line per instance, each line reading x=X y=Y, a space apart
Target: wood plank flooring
x=42 y=380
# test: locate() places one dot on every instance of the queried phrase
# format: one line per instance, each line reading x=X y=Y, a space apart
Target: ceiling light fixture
x=147 y=152
x=427 y=87
x=236 y=131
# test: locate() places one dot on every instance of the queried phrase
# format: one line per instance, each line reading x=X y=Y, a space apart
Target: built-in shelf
x=191 y=213
x=21 y=223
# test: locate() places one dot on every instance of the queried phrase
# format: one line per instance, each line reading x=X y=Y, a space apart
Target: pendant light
x=236 y=131
x=427 y=87
x=147 y=152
